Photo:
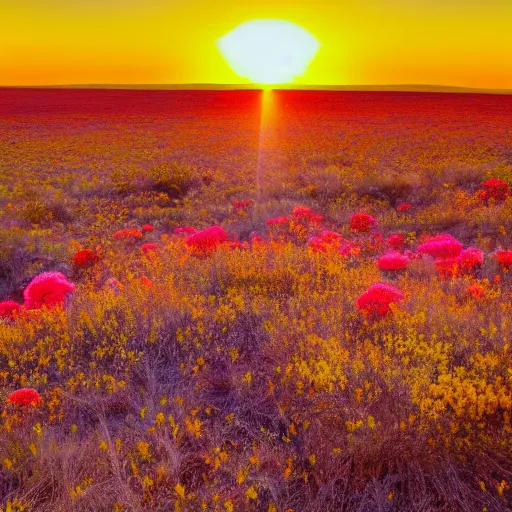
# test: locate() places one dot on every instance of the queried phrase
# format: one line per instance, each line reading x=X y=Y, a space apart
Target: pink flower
x=441 y=246
x=148 y=228
x=207 y=240
x=362 y=222
x=48 y=289
x=376 y=300
x=25 y=396
x=471 y=259
x=9 y=309
x=396 y=241
x=277 y=221
x=402 y=207
x=393 y=260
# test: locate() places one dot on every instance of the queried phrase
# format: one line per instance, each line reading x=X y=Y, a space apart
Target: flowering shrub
x=326 y=240
x=9 y=309
x=85 y=258
x=24 y=396
x=441 y=246
x=302 y=213
x=396 y=242
x=362 y=222
x=494 y=188
x=149 y=248
x=207 y=240
x=48 y=289
x=477 y=291
x=504 y=259
x=393 y=260
x=148 y=228
x=128 y=234
x=377 y=299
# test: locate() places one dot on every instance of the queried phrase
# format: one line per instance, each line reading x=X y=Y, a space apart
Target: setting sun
x=268 y=51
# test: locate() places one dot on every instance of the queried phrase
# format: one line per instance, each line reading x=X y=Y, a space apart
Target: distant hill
x=232 y=87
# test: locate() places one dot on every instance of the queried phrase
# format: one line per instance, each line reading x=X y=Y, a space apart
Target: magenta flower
x=48 y=289
x=393 y=260
x=9 y=309
x=376 y=300
x=441 y=246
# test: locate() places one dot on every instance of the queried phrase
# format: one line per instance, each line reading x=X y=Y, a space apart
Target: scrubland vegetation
x=176 y=334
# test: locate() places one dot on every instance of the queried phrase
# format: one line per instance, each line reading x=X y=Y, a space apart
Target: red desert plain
x=276 y=301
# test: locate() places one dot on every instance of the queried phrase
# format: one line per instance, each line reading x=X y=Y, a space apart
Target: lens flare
x=268 y=51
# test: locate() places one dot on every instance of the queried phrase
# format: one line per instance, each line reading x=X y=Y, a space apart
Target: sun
x=268 y=51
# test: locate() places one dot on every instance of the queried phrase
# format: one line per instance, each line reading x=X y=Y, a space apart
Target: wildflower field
x=213 y=300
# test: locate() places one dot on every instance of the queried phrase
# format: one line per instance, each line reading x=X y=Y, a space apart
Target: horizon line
x=258 y=87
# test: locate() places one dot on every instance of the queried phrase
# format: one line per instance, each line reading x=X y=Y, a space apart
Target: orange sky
x=448 y=42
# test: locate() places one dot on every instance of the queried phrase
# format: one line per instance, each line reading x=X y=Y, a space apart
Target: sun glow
x=268 y=51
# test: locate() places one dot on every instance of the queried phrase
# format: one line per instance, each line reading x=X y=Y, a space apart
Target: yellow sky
x=448 y=42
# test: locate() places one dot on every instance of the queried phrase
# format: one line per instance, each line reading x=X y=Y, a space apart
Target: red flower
x=393 y=260
x=277 y=221
x=504 y=259
x=47 y=289
x=127 y=234
x=471 y=259
x=148 y=228
x=256 y=239
x=186 y=229
x=85 y=258
x=242 y=205
x=447 y=268
x=441 y=246
x=378 y=297
x=362 y=222
x=477 y=291
x=350 y=249
x=207 y=240
x=404 y=206
x=494 y=189
x=326 y=240
x=305 y=213
x=146 y=281
x=25 y=396
x=396 y=241
x=149 y=248
x=9 y=309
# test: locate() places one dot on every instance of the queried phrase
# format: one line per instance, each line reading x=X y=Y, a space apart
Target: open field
x=247 y=373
